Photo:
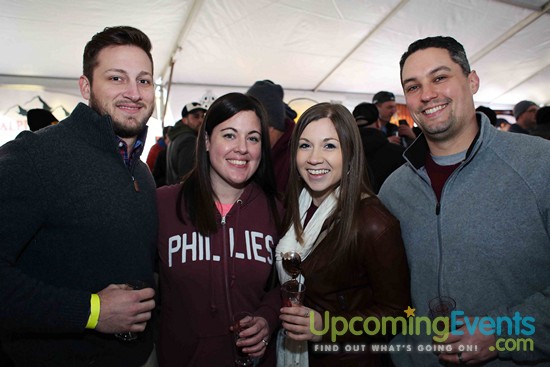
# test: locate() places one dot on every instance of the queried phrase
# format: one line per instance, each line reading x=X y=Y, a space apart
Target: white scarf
x=293 y=352
x=311 y=231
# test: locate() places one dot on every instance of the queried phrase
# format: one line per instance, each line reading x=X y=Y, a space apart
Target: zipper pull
x=223 y=220
x=437 y=208
x=136 y=185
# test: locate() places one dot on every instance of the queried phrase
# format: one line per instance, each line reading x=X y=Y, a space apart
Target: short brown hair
x=113 y=36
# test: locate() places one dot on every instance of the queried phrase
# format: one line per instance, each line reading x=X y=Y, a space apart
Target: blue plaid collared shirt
x=136 y=151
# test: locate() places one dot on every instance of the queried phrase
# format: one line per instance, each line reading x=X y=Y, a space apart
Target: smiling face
x=122 y=88
x=319 y=158
x=234 y=149
x=439 y=96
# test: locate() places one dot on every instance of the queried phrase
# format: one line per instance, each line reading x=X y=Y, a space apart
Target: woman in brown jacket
x=353 y=259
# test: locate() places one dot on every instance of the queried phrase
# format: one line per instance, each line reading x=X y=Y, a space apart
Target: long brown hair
x=353 y=184
x=197 y=196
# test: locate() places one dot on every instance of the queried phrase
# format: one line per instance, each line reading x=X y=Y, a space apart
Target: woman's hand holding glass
x=255 y=337
x=296 y=322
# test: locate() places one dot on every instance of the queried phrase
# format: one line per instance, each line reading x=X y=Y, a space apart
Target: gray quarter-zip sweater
x=486 y=243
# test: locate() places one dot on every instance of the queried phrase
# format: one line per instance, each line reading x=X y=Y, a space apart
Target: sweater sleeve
x=535 y=307
x=27 y=303
x=269 y=309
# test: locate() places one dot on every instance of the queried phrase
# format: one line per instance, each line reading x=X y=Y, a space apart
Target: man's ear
x=85 y=87
x=474 y=82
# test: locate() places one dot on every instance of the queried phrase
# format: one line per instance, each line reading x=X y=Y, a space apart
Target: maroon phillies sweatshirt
x=203 y=280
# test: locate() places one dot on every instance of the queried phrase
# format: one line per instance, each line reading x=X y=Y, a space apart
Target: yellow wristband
x=94 y=312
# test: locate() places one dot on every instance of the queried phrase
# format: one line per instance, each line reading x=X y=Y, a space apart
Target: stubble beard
x=119 y=127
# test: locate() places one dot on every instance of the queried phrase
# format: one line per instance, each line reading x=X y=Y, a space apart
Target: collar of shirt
x=136 y=150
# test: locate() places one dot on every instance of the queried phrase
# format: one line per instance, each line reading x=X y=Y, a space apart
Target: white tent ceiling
x=307 y=46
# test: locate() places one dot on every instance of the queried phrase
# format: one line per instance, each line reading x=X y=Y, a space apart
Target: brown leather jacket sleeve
x=385 y=261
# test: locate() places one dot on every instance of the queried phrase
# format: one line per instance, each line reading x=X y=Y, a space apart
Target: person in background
x=402 y=134
x=460 y=172
x=490 y=113
x=353 y=259
x=180 y=155
x=525 y=114
x=218 y=230
x=543 y=123
x=382 y=156
x=281 y=125
x=38 y=118
x=79 y=220
x=158 y=147
x=159 y=168
x=503 y=124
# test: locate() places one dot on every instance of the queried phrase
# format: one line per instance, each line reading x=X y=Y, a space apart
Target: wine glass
x=291 y=263
x=441 y=308
x=241 y=321
x=292 y=293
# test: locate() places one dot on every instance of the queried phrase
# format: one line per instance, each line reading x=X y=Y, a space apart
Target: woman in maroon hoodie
x=217 y=233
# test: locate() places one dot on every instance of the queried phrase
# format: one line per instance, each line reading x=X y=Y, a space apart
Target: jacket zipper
x=134 y=180
x=226 y=270
x=439 y=237
x=226 y=264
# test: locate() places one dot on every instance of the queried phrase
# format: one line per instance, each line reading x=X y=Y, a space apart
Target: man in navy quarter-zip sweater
x=458 y=174
x=79 y=220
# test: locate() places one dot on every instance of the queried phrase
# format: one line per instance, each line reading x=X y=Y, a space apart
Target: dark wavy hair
x=113 y=36
x=197 y=196
x=455 y=49
x=353 y=185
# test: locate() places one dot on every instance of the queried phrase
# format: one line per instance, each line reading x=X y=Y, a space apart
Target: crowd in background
x=108 y=261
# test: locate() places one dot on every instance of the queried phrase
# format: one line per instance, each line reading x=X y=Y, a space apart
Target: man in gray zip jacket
x=458 y=175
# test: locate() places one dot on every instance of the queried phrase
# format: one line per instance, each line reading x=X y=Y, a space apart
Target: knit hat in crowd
x=191 y=107
x=271 y=97
x=366 y=111
x=38 y=118
x=521 y=107
x=382 y=97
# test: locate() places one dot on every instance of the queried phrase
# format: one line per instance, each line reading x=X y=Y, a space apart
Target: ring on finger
x=306 y=314
x=459 y=356
x=265 y=342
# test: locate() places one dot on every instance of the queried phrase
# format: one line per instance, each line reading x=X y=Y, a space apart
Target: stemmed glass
x=441 y=307
x=241 y=321
x=292 y=294
x=291 y=263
